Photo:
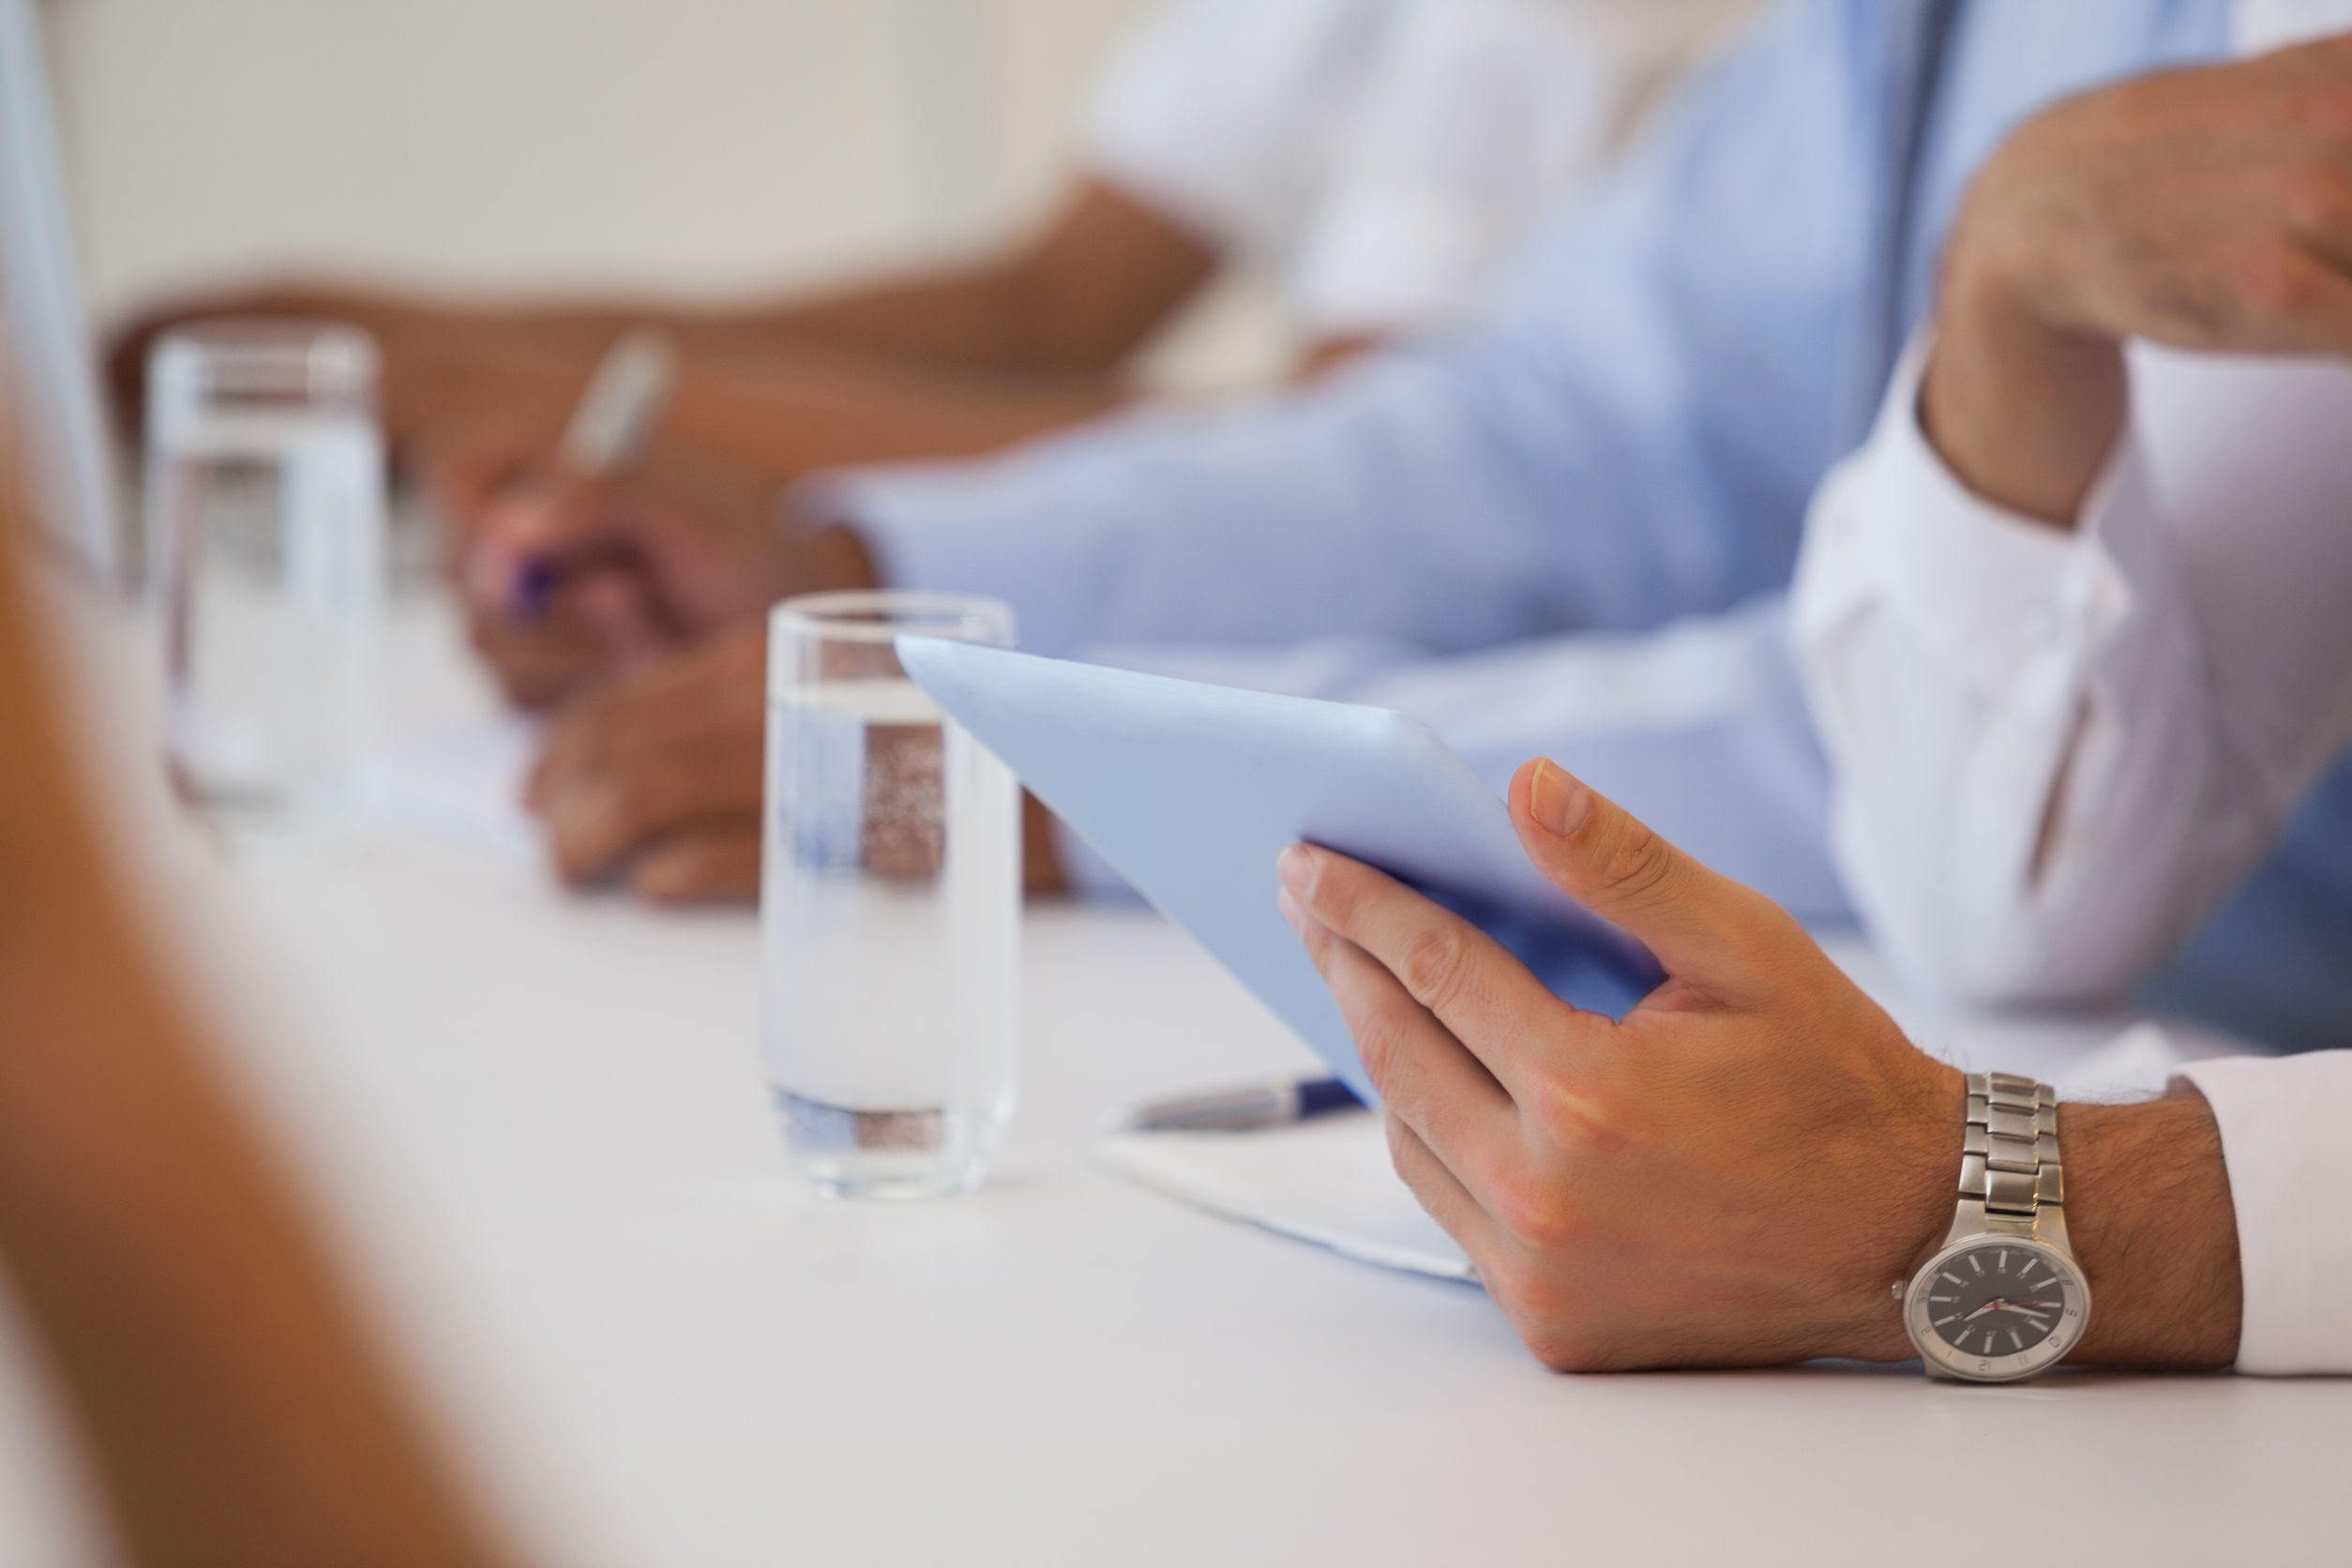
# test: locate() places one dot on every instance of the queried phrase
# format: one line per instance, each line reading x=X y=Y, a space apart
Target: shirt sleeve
x=2287 y=1137
x=1581 y=459
x=2056 y=750
x=1216 y=113
x=1475 y=117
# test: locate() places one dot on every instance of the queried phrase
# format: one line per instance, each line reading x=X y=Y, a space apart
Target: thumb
x=1702 y=926
x=542 y=530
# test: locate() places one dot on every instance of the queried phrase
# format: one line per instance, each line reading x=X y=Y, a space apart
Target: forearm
x=783 y=415
x=217 y=1367
x=1078 y=298
x=223 y=1377
x=2149 y=1212
x=2026 y=412
x=1223 y=526
x=975 y=317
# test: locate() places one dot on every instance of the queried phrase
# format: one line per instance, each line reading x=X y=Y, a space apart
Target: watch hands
x=2002 y=1304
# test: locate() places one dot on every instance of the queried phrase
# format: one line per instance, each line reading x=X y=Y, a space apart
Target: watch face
x=1993 y=1308
x=1995 y=1299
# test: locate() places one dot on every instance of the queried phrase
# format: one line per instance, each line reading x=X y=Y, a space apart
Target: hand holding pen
x=607 y=557
x=518 y=558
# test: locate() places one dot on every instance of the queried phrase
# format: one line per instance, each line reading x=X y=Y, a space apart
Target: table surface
x=538 y=1119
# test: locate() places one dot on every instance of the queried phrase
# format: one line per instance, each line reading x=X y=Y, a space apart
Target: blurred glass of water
x=889 y=903
x=266 y=501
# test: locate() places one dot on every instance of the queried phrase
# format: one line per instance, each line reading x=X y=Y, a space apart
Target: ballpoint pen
x=608 y=430
x=1249 y=1109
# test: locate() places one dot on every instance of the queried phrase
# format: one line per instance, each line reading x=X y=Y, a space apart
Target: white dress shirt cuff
x=1988 y=589
x=2286 y=1138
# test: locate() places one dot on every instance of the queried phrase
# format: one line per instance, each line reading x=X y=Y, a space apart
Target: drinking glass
x=265 y=523
x=889 y=903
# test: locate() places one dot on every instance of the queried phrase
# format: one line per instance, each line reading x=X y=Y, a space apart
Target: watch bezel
x=1944 y=1359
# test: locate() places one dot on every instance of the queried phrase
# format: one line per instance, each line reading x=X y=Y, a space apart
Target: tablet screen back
x=1190 y=791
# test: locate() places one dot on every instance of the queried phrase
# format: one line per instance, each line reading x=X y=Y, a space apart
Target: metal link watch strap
x=2009 y=1159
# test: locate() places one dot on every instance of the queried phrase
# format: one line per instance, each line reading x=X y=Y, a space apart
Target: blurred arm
x=1068 y=307
x=1580 y=460
x=2058 y=749
x=1104 y=271
x=230 y=1395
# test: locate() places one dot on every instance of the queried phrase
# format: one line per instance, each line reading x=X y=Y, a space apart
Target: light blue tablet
x=1190 y=791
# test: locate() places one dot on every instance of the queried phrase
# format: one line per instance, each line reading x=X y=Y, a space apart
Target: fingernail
x=1292 y=915
x=1296 y=867
x=1557 y=800
x=534 y=584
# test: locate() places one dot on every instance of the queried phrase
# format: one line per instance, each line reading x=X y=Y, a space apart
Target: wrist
x=824 y=552
x=2149 y=1212
x=2022 y=407
x=838 y=558
x=1919 y=1183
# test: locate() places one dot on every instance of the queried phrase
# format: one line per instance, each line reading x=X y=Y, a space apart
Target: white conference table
x=539 y=1122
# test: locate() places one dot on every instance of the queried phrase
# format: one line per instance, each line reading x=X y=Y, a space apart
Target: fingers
x=1449 y=1202
x=650 y=757
x=1485 y=998
x=540 y=665
x=717 y=861
x=1425 y=1077
x=2302 y=299
x=590 y=626
x=1703 y=927
x=601 y=822
x=619 y=612
x=714 y=692
x=542 y=525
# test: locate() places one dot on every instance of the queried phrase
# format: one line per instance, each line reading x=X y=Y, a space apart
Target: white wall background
x=705 y=145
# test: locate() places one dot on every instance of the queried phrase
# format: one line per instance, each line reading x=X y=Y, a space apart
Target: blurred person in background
x=232 y=1400
x=2078 y=619
x=1374 y=160
x=1563 y=530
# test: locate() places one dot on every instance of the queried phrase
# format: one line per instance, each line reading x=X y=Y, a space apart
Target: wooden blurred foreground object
x=229 y=1398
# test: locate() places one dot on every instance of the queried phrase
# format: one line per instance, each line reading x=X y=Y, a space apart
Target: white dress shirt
x=2057 y=750
x=1379 y=159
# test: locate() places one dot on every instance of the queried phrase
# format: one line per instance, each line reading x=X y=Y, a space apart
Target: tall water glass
x=889 y=903
x=265 y=526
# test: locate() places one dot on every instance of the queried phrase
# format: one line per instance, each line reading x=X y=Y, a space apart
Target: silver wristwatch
x=2004 y=1299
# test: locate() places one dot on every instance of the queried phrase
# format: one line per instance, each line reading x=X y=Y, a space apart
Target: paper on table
x=463 y=784
x=1326 y=1180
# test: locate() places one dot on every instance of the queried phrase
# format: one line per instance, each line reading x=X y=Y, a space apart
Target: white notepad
x=1326 y=1180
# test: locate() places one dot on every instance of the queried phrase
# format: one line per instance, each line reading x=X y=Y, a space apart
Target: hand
x=567 y=579
x=2209 y=208
x=654 y=777
x=1735 y=1172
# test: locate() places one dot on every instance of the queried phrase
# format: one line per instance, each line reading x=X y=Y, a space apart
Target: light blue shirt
x=1627 y=440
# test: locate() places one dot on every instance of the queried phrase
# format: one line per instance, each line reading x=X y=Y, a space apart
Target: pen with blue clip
x=1252 y=1109
x=609 y=430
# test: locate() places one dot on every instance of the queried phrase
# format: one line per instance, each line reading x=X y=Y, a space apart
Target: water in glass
x=265 y=516
x=890 y=915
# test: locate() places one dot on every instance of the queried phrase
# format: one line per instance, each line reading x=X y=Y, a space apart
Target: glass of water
x=265 y=529
x=889 y=903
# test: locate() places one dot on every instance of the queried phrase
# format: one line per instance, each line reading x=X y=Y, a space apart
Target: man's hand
x=1736 y=1172
x=568 y=578
x=2207 y=209
x=653 y=778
